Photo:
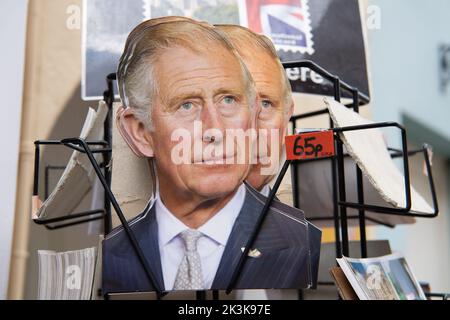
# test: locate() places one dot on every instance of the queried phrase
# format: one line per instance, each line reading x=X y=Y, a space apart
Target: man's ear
x=134 y=133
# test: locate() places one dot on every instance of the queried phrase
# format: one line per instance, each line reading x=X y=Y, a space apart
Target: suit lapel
x=148 y=241
x=239 y=236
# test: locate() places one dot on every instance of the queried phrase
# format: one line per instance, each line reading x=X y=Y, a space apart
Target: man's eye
x=187 y=106
x=229 y=100
x=266 y=104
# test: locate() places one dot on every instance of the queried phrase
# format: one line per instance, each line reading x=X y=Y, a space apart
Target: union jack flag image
x=286 y=22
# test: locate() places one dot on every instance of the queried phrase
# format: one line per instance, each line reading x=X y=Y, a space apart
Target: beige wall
x=52 y=108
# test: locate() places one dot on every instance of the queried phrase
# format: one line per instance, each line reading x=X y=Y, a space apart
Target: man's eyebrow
x=234 y=91
x=269 y=97
x=173 y=101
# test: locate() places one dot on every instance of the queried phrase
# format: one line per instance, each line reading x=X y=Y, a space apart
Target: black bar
x=314 y=113
x=46 y=178
x=342 y=196
x=201 y=295
x=294 y=177
x=324 y=73
x=107 y=132
x=112 y=199
x=295 y=189
x=325 y=283
x=258 y=226
x=47 y=142
x=337 y=227
x=111 y=76
x=75 y=147
x=324 y=218
x=309 y=114
x=444 y=296
x=430 y=179
x=36 y=170
x=361 y=212
x=99 y=214
x=395 y=153
x=58 y=142
x=360 y=191
x=68 y=217
x=70 y=224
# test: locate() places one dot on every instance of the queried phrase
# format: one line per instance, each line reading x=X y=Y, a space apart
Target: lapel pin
x=253 y=253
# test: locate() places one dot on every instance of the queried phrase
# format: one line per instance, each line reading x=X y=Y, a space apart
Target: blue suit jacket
x=289 y=246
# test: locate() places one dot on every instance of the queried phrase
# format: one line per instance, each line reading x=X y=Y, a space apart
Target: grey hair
x=136 y=74
x=242 y=37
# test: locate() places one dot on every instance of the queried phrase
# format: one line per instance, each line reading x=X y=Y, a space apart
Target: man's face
x=207 y=87
x=272 y=118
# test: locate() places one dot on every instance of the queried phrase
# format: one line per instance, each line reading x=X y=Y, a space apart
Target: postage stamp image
x=286 y=22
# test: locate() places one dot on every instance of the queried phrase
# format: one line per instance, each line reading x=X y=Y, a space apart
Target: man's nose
x=212 y=123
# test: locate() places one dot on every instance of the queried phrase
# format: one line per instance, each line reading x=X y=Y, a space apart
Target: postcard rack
x=104 y=147
x=340 y=204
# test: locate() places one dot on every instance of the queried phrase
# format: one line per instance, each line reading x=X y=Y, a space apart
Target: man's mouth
x=217 y=160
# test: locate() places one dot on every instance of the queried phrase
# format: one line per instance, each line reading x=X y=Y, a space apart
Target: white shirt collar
x=265 y=190
x=218 y=227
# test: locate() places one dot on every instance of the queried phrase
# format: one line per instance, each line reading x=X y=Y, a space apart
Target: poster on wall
x=328 y=32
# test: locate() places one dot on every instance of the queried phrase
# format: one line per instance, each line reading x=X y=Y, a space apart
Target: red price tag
x=310 y=145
